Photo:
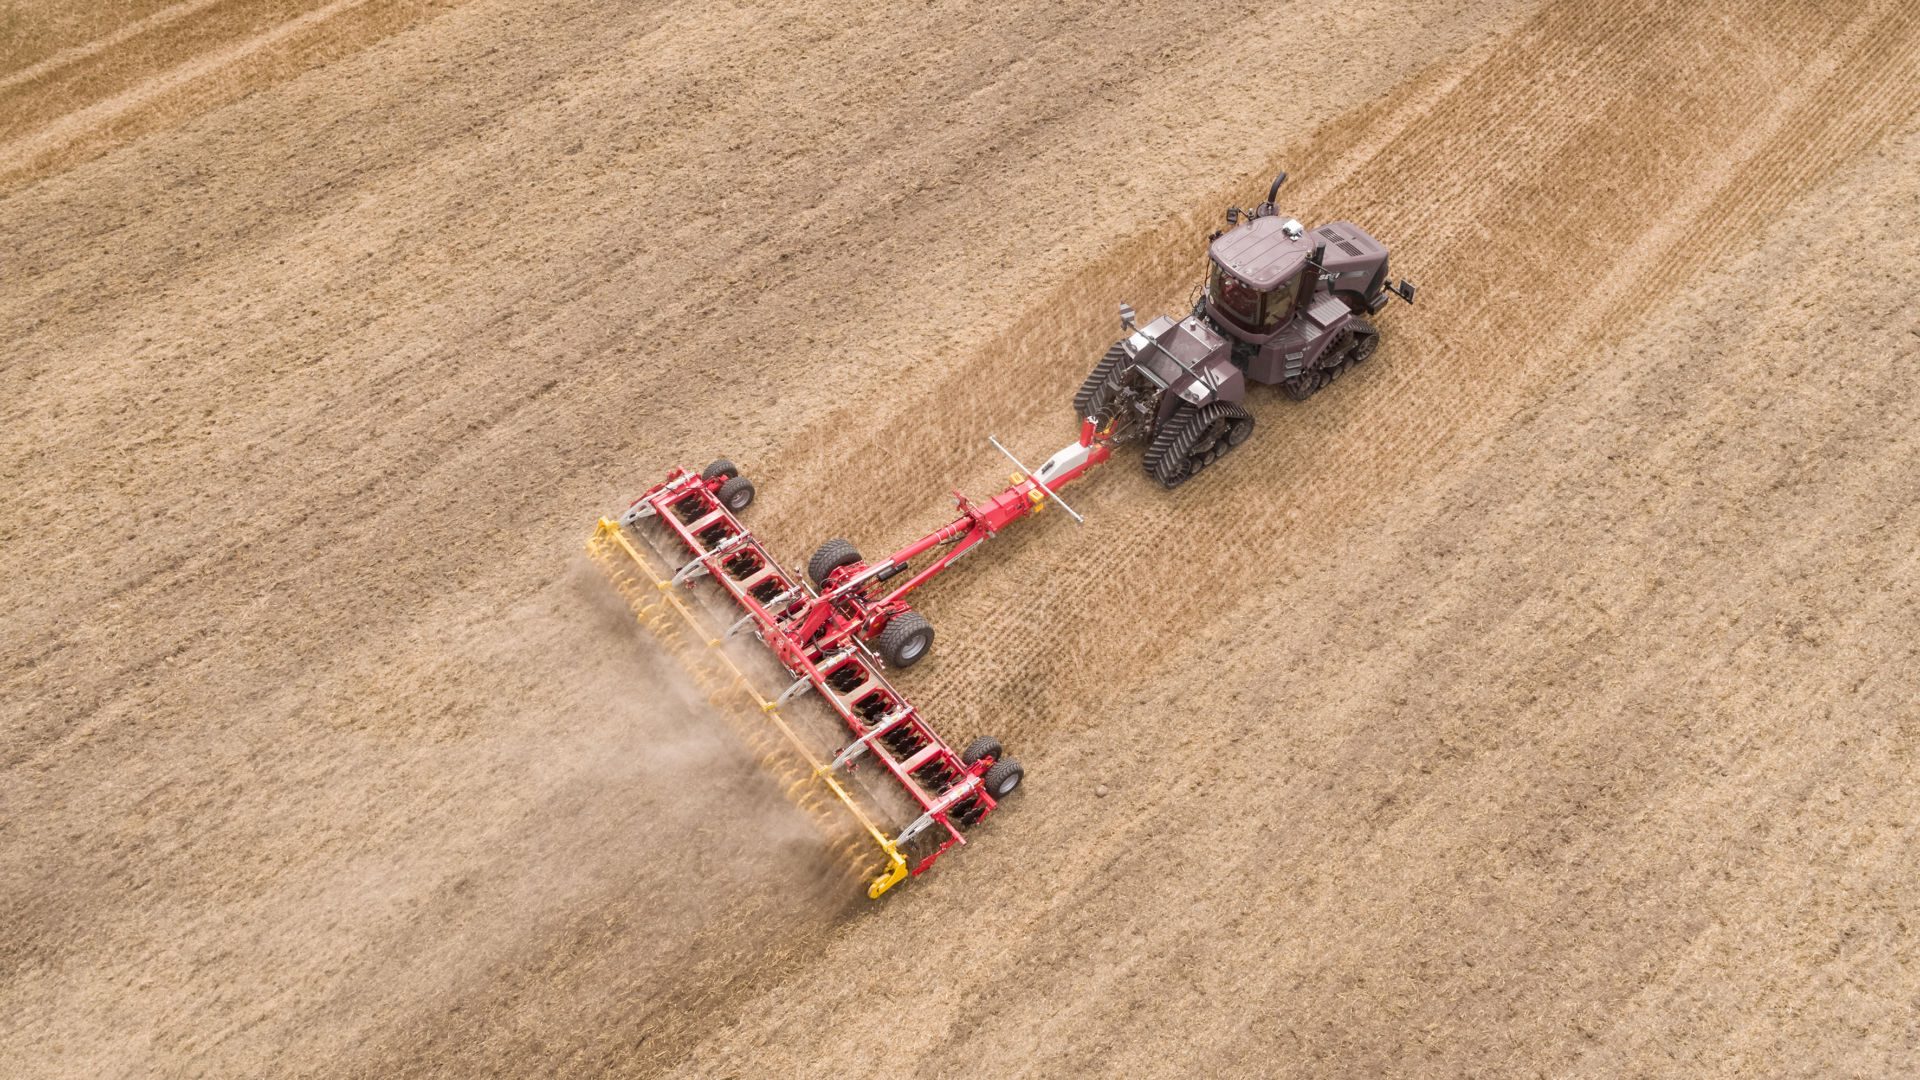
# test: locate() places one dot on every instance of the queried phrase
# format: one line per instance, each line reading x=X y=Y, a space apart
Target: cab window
x=1279 y=303
x=1235 y=297
x=1248 y=306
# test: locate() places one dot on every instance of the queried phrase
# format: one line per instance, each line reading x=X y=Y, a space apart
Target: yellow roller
x=650 y=594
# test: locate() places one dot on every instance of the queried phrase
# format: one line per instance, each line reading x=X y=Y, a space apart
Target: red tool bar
x=980 y=521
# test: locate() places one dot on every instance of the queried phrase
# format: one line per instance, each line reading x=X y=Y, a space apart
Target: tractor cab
x=1254 y=276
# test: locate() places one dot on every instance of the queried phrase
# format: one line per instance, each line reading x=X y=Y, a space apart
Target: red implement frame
x=819 y=635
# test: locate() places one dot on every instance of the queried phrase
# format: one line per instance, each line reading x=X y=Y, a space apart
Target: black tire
x=1092 y=396
x=1003 y=778
x=986 y=746
x=829 y=557
x=719 y=468
x=1193 y=439
x=905 y=640
x=736 y=494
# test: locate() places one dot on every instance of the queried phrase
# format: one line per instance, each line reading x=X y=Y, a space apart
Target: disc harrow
x=834 y=632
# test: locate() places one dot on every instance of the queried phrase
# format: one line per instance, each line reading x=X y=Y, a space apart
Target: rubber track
x=1163 y=439
x=1087 y=400
x=1183 y=434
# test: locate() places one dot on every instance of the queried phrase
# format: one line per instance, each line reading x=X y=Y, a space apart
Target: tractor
x=1280 y=306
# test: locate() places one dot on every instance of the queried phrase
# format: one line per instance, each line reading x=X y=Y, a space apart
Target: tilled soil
x=1535 y=700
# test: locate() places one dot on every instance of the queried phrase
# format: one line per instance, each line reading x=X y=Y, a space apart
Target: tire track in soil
x=1601 y=167
x=68 y=57
x=87 y=100
x=1094 y=585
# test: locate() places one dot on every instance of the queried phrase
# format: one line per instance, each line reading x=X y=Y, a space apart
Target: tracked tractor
x=1281 y=305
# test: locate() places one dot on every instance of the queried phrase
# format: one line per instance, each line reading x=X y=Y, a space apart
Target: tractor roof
x=1261 y=253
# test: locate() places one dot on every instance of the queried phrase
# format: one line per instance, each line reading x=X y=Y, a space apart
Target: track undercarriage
x=1277 y=308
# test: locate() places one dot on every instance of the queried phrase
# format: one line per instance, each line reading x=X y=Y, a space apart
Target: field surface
x=1539 y=700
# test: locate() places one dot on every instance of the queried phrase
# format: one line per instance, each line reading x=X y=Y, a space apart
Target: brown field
x=1537 y=701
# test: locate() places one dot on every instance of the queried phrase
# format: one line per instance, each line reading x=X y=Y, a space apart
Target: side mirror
x=1233 y=215
x=1404 y=290
x=1126 y=317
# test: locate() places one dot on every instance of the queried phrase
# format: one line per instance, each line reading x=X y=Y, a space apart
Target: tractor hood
x=1173 y=352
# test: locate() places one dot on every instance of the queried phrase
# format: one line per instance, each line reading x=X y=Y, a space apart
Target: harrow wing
x=705 y=542
x=669 y=617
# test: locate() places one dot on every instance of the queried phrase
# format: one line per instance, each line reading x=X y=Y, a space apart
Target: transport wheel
x=1092 y=396
x=1005 y=775
x=829 y=557
x=720 y=468
x=905 y=639
x=736 y=494
x=986 y=746
x=1195 y=439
